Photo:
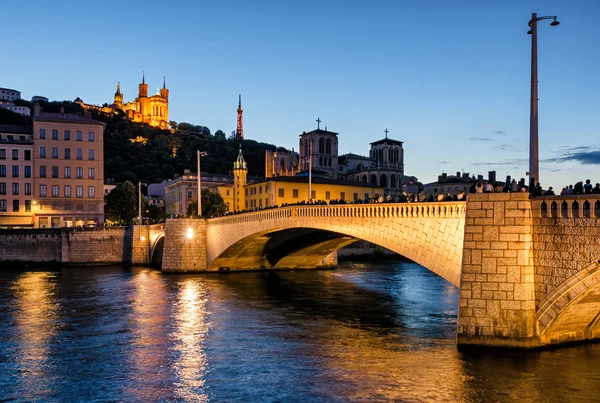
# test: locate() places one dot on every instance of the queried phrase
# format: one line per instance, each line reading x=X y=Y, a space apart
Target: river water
x=363 y=332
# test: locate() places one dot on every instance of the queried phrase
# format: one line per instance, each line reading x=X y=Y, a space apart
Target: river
x=364 y=332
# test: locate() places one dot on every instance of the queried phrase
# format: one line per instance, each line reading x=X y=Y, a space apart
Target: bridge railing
x=383 y=210
x=575 y=206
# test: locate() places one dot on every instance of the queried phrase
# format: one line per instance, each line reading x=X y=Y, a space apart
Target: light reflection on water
x=364 y=332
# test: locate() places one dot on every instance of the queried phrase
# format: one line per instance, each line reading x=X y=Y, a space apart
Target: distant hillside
x=142 y=153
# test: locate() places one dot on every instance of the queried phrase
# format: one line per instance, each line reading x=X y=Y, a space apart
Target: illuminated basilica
x=153 y=110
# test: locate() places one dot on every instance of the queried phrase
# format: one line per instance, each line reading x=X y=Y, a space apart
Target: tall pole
x=140 y=203
x=310 y=170
x=199 y=187
x=534 y=174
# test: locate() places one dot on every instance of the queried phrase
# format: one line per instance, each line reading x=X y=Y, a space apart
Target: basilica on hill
x=152 y=110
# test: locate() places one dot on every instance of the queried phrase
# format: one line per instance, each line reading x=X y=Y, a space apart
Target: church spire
x=118 y=87
x=143 y=78
x=240 y=163
x=239 y=134
x=164 y=82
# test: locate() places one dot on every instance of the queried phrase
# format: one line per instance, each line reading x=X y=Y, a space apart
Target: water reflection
x=35 y=321
x=191 y=329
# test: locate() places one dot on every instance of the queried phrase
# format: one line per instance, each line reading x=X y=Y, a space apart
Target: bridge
x=528 y=269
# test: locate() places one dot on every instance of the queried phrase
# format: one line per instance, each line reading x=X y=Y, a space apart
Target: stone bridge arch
x=430 y=234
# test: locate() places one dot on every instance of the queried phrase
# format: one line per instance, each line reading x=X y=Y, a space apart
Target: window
x=28 y=188
x=366 y=196
x=15 y=155
x=42 y=152
x=28 y=171
x=79 y=135
x=260 y=189
x=54 y=190
x=79 y=191
x=42 y=171
x=67 y=172
x=189 y=194
x=295 y=193
x=91 y=192
x=327 y=195
x=55 y=172
x=67 y=191
x=55 y=152
x=90 y=136
x=15 y=205
x=79 y=173
x=313 y=194
x=42 y=190
x=42 y=134
x=3 y=171
x=67 y=135
x=342 y=195
x=281 y=193
x=92 y=174
x=54 y=134
x=67 y=153
x=27 y=155
x=79 y=154
x=15 y=171
x=2 y=188
x=2 y=153
x=28 y=205
x=15 y=189
x=2 y=205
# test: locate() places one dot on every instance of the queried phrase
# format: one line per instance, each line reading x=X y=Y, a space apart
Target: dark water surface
x=363 y=332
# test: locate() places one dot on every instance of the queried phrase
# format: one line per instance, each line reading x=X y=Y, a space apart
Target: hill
x=138 y=152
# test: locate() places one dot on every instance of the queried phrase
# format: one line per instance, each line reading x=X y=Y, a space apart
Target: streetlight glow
x=190 y=233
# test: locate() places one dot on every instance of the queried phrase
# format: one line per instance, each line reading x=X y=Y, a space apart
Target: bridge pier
x=497 y=291
x=185 y=245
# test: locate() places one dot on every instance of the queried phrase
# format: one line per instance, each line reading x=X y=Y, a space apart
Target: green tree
x=212 y=205
x=220 y=134
x=122 y=203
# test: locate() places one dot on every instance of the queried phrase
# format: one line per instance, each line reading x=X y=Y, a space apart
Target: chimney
x=457 y=174
x=37 y=109
x=87 y=114
x=62 y=110
x=465 y=176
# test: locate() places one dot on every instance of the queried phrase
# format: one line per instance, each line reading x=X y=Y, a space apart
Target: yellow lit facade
x=153 y=110
x=294 y=189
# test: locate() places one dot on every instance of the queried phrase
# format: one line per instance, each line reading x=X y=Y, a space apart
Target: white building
x=9 y=94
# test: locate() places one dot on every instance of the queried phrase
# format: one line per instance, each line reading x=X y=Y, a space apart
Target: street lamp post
x=200 y=154
x=140 y=202
x=534 y=168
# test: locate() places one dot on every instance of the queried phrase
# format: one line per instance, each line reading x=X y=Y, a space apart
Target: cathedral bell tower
x=143 y=91
x=118 y=97
x=240 y=172
x=164 y=92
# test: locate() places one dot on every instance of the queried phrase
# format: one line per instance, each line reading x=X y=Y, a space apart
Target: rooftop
x=66 y=117
x=388 y=141
x=16 y=129
x=318 y=180
x=319 y=131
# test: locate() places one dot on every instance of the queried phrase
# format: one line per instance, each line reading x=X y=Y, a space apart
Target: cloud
x=504 y=147
x=444 y=162
x=514 y=162
x=584 y=155
x=499 y=132
x=480 y=138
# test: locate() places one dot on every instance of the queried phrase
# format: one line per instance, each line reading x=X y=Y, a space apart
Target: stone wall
x=497 y=298
x=185 y=245
x=105 y=245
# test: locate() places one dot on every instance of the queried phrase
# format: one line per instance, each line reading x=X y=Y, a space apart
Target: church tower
x=143 y=97
x=239 y=133
x=164 y=92
x=118 y=97
x=143 y=91
x=240 y=172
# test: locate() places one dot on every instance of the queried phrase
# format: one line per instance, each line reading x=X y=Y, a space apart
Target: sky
x=449 y=78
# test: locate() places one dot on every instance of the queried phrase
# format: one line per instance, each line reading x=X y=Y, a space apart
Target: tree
x=212 y=205
x=220 y=134
x=122 y=203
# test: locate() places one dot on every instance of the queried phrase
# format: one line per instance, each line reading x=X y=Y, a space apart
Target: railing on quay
x=572 y=206
x=383 y=210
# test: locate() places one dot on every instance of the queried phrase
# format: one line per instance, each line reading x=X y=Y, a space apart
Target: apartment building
x=16 y=179
x=68 y=170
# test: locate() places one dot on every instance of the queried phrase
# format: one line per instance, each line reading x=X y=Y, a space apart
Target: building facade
x=281 y=163
x=152 y=110
x=320 y=147
x=16 y=178
x=181 y=191
x=9 y=94
x=68 y=170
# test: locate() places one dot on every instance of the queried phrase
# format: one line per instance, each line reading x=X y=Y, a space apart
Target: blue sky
x=449 y=78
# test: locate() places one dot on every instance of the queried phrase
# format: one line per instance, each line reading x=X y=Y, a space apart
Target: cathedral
x=153 y=110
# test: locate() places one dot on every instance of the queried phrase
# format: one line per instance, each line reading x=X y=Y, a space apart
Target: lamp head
x=554 y=23
x=529 y=32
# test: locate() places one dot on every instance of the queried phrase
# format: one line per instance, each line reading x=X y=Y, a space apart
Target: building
x=152 y=110
x=68 y=166
x=281 y=163
x=16 y=179
x=240 y=175
x=38 y=98
x=10 y=105
x=9 y=94
x=181 y=191
x=320 y=147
